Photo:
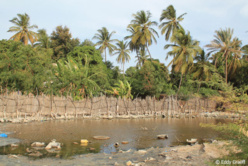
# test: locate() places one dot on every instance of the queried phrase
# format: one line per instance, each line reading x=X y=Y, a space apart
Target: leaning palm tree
x=142 y=26
x=123 y=53
x=104 y=41
x=23 y=29
x=172 y=21
x=184 y=52
x=226 y=45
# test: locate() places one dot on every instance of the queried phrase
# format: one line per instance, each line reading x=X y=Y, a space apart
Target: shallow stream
x=140 y=133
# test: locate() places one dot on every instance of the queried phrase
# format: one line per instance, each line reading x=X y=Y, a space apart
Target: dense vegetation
x=61 y=65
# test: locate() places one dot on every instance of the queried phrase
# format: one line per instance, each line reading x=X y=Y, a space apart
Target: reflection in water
x=131 y=130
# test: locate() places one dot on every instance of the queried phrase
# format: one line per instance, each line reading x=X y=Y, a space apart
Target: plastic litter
x=3 y=135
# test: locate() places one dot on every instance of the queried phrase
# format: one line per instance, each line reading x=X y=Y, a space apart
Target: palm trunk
x=148 y=51
x=123 y=70
x=199 y=87
x=226 y=69
x=105 y=56
x=225 y=55
x=180 y=83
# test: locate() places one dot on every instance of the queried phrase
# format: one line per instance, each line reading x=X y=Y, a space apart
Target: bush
x=207 y=92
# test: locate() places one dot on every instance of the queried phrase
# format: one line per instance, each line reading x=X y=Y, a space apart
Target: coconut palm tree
x=23 y=29
x=184 y=52
x=123 y=53
x=44 y=40
x=141 y=57
x=104 y=41
x=172 y=21
x=225 y=44
x=202 y=69
x=133 y=47
x=142 y=26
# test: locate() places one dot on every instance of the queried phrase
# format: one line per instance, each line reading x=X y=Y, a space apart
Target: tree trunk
x=123 y=69
x=180 y=83
x=148 y=51
x=105 y=56
x=226 y=69
x=199 y=87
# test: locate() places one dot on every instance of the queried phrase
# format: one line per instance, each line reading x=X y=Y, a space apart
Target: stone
x=141 y=151
x=35 y=154
x=129 y=163
x=53 y=144
x=110 y=158
x=38 y=144
x=162 y=136
x=12 y=156
x=162 y=154
x=124 y=142
x=192 y=141
x=100 y=137
x=14 y=145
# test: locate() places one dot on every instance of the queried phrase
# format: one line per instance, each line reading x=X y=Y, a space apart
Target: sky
x=85 y=17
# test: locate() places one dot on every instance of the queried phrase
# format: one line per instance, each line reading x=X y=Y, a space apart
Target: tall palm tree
x=184 y=50
x=104 y=41
x=23 y=29
x=133 y=47
x=123 y=53
x=142 y=26
x=44 y=40
x=172 y=21
x=225 y=44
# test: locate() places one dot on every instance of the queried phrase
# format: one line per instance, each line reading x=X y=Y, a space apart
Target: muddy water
x=140 y=133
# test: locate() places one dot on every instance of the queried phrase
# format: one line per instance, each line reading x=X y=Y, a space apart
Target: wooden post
x=17 y=106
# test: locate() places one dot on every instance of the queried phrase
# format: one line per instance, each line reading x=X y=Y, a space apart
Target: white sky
x=85 y=17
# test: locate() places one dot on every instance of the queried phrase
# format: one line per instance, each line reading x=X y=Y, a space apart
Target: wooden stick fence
x=15 y=105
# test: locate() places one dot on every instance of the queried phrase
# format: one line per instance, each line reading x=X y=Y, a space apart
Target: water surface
x=131 y=130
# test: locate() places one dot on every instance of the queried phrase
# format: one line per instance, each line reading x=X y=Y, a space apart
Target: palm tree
x=202 y=69
x=224 y=43
x=144 y=34
x=184 y=50
x=141 y=57
x=172 y=22
x=76 y=77
x=123 y=53
x=104 y=41
x=44 y=40
x=23 y=29
x=133 y=47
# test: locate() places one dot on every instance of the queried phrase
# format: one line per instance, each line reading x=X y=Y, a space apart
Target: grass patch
x=232 y=131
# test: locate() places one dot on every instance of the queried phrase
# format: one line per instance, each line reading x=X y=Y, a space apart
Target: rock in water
x=192 y=141
x=124 y=142
x=101 y=137
x=35 y=154
x=38 y=144
x=53 y=144
x=162 y=136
